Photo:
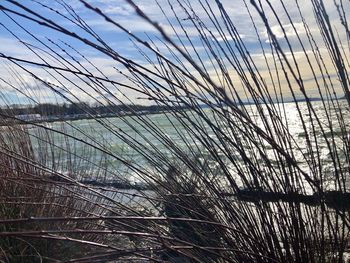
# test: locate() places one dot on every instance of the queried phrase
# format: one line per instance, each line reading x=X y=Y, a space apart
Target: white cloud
x=136 y=25
x=289 y=30
x=227 y=37
x=12 y=47
x=124 y=10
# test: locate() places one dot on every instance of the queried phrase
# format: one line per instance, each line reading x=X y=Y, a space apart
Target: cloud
x=133 y=25
x=289 y=30
x=286 y=30
x=124 y=10
x=227 y=37
x=12 y=47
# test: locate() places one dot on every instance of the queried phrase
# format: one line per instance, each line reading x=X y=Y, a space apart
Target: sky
x=24 y=39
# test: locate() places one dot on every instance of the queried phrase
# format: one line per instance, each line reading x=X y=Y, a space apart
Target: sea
x=131 y=148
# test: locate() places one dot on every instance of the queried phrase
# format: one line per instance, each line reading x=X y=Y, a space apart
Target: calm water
x=112 y=155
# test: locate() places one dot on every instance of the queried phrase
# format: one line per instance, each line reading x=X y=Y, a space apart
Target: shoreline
x=16 y=121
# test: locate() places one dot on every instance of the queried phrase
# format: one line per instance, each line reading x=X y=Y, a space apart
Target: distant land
x=48 y=112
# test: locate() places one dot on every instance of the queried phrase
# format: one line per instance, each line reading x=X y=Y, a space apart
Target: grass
x=27 y=191
x=226 y=184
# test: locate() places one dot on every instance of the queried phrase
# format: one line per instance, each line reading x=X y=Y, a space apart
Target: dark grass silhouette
x=233 y=182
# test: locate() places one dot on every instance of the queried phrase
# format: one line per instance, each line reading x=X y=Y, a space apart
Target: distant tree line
x=50 y=109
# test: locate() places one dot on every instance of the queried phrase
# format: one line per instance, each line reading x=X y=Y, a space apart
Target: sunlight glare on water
x=112 y=138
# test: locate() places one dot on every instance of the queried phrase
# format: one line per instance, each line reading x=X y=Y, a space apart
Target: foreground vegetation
x=233 y=183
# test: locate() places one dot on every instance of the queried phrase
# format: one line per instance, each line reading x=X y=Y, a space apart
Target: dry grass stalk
x=226 y=185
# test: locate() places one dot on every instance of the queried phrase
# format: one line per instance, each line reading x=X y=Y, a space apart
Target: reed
x=30 y=187
x=234 y=181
